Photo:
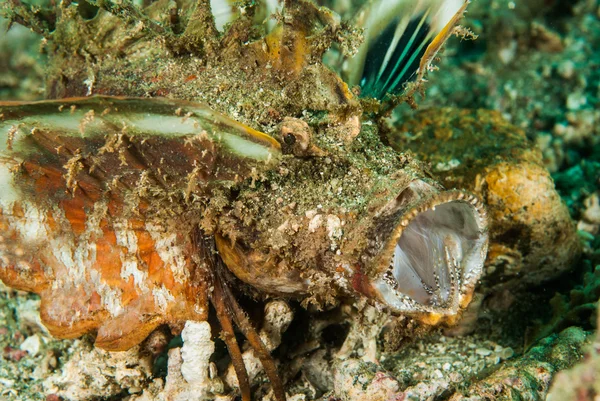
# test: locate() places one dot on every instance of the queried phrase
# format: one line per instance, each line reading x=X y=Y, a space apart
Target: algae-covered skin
x=128 y=203
x=314 y=208
x=255 y=83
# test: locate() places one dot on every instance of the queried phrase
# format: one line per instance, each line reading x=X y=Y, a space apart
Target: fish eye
x=289 y=139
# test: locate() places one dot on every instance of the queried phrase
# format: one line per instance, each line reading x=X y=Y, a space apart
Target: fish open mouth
x=434 y=255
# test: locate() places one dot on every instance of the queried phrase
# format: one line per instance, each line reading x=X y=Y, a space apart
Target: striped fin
x=127 y=138
x=401 y=39
x=226 y=11
x=88 y=219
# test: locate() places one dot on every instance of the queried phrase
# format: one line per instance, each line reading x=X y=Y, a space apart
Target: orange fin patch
x=93 y=208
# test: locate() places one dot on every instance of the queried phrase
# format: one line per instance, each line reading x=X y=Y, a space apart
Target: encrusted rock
x=582 y=381
x=529 y=376
x=532 y=237
x=92 y=373
x=356 y=380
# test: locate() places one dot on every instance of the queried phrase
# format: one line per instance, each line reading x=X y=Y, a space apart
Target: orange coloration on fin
x=75 y=216
x=439 y=41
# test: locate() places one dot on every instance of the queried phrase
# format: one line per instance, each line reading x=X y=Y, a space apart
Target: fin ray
x=401 y=39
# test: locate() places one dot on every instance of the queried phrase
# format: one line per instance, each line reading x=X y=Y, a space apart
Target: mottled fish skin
x=79 y=180
x=125 y=213
x=107 y=201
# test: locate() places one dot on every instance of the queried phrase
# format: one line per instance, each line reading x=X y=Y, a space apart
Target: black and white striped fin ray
x=397 y=36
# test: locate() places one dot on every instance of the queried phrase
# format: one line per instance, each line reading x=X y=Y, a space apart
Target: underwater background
x=520 y=102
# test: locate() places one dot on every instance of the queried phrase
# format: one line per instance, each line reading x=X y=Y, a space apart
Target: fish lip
x=381 y=284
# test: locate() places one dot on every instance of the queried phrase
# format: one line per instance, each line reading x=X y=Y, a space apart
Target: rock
x=357 y=380
x=196 y=351
x=529 y=376
x=92 y=373
x=532 y=237
x=32 y=344
x=29 y=316
x=582 y=381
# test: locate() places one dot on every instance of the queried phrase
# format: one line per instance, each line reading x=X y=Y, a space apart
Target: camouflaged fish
x=130 y=201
